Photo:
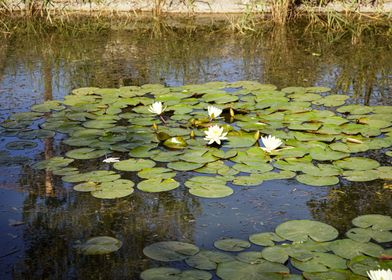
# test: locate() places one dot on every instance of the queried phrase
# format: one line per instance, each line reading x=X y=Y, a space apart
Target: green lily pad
x=366 y=234
x=100 y=245
x=85 y=153
x=373 y=221
x=115 y=189
x=133 y=164
x=167 y=251
x=317 y=180
x=232 y=244
x=98 y=176
x=211 y=190
x=360 y=176
x=235 y=270
x=208 y=260
x=302 y=230
x=156 y=172
x=362 y=264
x=53 y=163
x=348 y=249
x=357 y=163
x=21 y=145
x=265 y=238
x=86 y=187
x=158 y=185
x=169 y=273
x=275 y=254
x=320 y=262
x=175 y=143
x=184 y=166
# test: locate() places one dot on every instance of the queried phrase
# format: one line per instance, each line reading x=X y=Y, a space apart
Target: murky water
x=41 y=217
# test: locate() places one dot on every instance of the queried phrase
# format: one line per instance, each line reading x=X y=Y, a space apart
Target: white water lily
x=156 y=108
x=215 y=134
x=214 y=112
x=111 y=160
x=380 y=274
x=271 y=143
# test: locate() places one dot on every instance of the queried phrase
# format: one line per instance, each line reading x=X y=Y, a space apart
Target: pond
x=43 y=220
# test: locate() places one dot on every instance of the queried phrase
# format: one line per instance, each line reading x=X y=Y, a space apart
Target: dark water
x=41 y=218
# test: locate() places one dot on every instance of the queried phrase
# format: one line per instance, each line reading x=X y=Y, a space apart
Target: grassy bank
x=36 y=16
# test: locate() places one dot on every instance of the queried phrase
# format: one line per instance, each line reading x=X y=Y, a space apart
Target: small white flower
x=380 y=274
x=214 y=112
x=215 y=134
x=271 y=143
x=156 y=108
x=111 y=159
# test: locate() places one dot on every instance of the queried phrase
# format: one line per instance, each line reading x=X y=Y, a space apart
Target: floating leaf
x=348 y=249
x=232 y=244
x=184 y=166
x=365 y=234
x=158 y=185
x=115 y=189
x=317 y=180
x=208 y=260
x=175 y=143
x=85 y=153
x=301 y=230
x=211 y=190
x=169 y=273
x=265 y=238
x=235 y=270
x=320 y=262
x=21 y=145
x=133 y=164
x=374 y=221
x=99 y=245
x=357 y=163
x=167 y=251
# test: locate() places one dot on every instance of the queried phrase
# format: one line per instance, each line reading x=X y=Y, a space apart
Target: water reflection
x=34 y=69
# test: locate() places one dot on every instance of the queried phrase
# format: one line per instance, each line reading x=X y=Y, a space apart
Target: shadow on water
x=50 y=217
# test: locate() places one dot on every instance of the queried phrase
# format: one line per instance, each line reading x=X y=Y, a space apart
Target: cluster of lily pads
x=240 y=133
x=309 y=247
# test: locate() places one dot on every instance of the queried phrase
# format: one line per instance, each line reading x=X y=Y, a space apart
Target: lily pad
x=167 y=251
x=115 y=189
x=211 y=190
x=175 y=143
x=302 y=230
x=232 y=244
x=85 y=153
x=21 y=145
x=208 y=260
x=373 y=221
x=158 y=185
x=357 y=163
x=235 y=270
x=317 y=180
x=133 y=164
x=320 y=262
x=265 y=238
x=169 y=273
x=348 y=249
x=184 y=166
x=100 y=245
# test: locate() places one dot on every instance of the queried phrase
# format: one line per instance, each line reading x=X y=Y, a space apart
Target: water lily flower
x=271 y=143
x=156 y=108
x=215 y=134
x=111 y=160
x=380 y=274
x=214 y=112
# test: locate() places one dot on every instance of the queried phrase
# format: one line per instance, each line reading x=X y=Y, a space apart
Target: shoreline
x=197 y=8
